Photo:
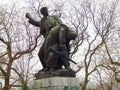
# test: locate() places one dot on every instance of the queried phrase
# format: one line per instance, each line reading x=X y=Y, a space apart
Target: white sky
x=20 y=3
x=6 y=1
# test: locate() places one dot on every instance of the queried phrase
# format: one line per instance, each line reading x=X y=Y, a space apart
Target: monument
x=54 y=54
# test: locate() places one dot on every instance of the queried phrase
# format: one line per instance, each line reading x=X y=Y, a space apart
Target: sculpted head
x=44 y=11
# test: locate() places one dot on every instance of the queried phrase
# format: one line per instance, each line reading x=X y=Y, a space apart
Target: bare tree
x=14 y=32
x=23 y=69
x=97 y=23
x=111 y=43
x=18 y=38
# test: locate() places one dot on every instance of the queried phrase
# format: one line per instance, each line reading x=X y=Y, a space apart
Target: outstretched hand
x=27 y=15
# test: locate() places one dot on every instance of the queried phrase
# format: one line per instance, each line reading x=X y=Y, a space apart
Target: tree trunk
x=7 y=86
x=7 y=76
x=85 y=84
x=85 y=80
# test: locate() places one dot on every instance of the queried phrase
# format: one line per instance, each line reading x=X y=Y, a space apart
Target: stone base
x=55 y=83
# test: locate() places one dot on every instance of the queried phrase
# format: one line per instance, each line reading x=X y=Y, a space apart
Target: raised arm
x=32 y=21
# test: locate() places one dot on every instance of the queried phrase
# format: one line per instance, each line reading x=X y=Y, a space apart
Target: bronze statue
x=54 y=52
x=46 y=24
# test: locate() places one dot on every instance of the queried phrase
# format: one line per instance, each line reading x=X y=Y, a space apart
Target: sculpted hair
x=43 y=9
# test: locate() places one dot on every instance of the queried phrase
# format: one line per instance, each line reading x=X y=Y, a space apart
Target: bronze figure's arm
x=32 y=21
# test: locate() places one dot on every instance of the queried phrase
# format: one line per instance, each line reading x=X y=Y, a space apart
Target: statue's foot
x=50 y=71
x=46 y=69
x=41 y=70
x=68 y=67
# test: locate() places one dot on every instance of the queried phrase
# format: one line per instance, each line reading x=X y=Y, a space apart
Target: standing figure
x=45 y=24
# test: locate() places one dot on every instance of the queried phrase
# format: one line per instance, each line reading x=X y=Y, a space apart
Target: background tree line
x=96 y=48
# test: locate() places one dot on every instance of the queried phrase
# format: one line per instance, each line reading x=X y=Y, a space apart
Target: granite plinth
x=55 y=83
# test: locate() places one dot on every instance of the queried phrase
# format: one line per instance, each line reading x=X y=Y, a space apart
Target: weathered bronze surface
x=54 y=53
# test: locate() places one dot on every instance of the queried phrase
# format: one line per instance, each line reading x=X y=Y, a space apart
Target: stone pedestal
x=55 y=83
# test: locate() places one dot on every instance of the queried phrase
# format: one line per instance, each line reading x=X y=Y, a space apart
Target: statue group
x=54 y=53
